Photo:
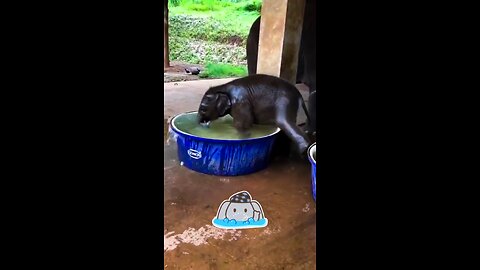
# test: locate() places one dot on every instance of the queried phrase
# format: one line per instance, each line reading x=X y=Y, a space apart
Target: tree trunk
x=166 y=58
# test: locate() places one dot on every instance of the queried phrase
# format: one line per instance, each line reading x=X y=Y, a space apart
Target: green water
x=221 y=128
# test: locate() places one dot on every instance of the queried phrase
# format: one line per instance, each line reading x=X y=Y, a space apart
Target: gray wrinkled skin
x=257 y=99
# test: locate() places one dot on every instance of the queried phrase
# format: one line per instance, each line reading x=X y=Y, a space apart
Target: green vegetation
x=253 y=6
x=211 y=31
x=216 y=5
x=223 y=71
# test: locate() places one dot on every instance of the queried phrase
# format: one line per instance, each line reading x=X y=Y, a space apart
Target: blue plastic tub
x=312 y=156
x=219 y=156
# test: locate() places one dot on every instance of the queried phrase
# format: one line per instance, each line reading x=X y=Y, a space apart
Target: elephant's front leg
x=242 y=118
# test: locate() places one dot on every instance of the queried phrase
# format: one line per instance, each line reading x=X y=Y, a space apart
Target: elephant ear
x=222 y=210
x=223 y=104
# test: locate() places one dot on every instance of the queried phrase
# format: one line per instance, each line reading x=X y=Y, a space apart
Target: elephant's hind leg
x=286 y=121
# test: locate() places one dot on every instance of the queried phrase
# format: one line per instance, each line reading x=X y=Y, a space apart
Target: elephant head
x=214 y=104
x=240 y=207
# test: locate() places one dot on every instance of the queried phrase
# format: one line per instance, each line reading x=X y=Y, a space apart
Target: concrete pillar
x=280 y=34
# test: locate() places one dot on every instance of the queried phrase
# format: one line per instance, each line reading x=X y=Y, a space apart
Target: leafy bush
x=254 y=5
x=174 y=3
x=207 y=29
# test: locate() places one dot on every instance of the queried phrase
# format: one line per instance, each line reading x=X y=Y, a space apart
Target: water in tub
x=221 y=128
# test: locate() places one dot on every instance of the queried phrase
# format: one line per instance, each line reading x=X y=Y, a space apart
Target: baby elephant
x=257 y=99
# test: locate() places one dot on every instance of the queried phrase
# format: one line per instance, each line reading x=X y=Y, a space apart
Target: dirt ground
x=191 y=201
x=176 y=72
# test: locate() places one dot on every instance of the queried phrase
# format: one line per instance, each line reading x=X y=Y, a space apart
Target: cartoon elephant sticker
x=240 y=211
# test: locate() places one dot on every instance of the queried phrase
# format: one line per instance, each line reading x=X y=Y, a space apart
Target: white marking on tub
x=194 y=153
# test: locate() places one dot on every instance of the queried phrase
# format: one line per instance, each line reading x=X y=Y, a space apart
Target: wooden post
x=280 y=35
x=166 y=57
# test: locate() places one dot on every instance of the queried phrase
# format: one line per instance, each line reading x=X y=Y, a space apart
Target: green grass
x=232 y=15
x=214 y=32
x=215 y=71
x=212 y=5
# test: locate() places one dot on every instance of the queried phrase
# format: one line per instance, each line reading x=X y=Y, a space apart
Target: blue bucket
x=312 y=155
x=228 y=157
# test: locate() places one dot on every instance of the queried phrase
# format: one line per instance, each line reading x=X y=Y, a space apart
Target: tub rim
x=174 y=128
x=310 y=153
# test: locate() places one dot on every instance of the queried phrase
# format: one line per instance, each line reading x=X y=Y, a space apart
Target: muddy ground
x=176 y=72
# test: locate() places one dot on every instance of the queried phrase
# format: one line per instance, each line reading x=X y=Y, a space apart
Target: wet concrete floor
x=192 y=199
